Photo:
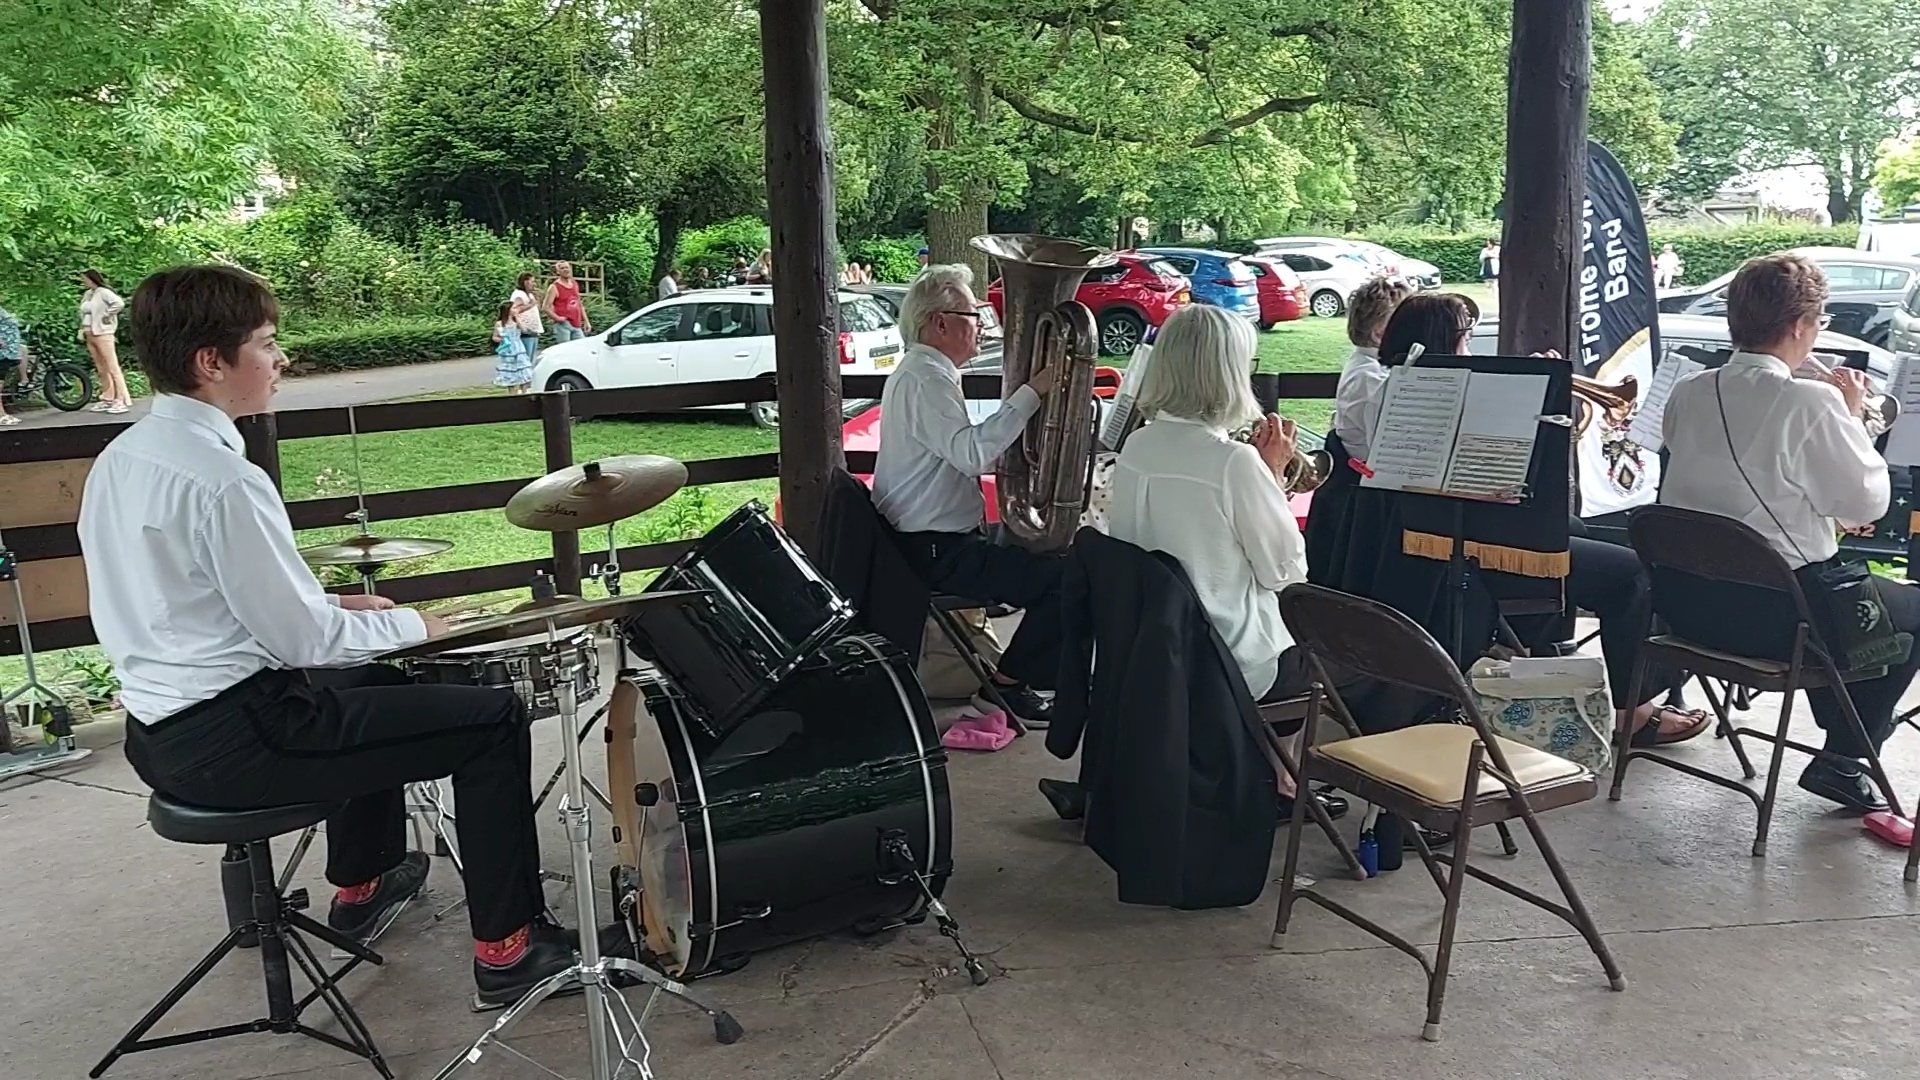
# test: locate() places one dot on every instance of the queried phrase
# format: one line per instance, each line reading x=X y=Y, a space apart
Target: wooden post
x=793 y=58
x=1548 y=74
x=261 y=433
x=556 y=429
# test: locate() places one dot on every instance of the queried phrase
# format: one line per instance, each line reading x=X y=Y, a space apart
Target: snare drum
x=766 y=611
x=530 y=666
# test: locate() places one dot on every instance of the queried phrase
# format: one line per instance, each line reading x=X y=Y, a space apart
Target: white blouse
x=1356 y=402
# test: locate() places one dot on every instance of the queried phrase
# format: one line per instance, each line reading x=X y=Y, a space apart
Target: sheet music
x=1498 y=425
x=1419 y=423
x=1903 y=442
x=1647 y=419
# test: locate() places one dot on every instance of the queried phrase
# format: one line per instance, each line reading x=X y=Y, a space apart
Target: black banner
x=1619 y=336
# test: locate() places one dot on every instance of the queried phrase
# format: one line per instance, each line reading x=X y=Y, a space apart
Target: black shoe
x=397 y=886
x=549 y=951
x=1433 y=837
x=1032 y=709
x=1069 y=799
x=1854 y=790
x=1335 y=805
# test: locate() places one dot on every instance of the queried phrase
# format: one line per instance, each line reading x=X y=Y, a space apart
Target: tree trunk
x=1842 y=205
x=961 y=214
x=667 y=222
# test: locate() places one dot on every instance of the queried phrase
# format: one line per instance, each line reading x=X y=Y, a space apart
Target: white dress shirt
x=932 y=455
x=193 y=579
x=1808 y=458
x=1356 y=402
x=1185 y=488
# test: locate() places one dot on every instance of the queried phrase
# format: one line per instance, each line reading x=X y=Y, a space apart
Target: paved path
x=328 y=391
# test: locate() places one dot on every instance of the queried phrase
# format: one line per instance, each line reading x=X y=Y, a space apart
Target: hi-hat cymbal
x=562 y=616
x=372 y=551
x=596 y=493
x=557 y=600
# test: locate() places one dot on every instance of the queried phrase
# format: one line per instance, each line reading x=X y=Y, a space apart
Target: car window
x=1107 y=274
x=1258 y=270
x=1164 y=268
x=1913 y=300
x=661 y=324
x=861 y=315
x=1893 y=279
x=1181 y=264
x=1238 y=272
x=1852 y=277
x=721 y=321
x=1306 y=264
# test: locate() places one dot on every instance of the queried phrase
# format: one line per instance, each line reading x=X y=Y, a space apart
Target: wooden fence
x=43 y=470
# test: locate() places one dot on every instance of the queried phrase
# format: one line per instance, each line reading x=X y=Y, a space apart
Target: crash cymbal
x=557 y=600
x=372 y=551
x=596 y=493
x=561 y=616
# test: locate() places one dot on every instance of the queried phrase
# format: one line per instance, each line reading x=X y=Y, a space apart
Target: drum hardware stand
x=591 y=972
x=59 y=721
x=608 y=573
x=898 y=862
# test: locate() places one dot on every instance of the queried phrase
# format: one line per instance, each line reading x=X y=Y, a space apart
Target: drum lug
x=740 y=918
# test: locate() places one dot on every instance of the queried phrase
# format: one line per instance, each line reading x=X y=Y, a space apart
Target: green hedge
x=893 y=260
x=1707 y=253
x=385 y=343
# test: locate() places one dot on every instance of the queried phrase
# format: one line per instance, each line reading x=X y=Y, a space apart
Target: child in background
x=511 y=369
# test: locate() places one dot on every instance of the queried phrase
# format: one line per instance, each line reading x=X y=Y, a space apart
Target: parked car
x=1219 y=278
x=708 y=336
x=1283 y=296
x=1330 y=277
x=1866 y=287
x=1420 y=274
x=1891 y=238
x=891 y=296
x=1903 y=329
x=1137 y=292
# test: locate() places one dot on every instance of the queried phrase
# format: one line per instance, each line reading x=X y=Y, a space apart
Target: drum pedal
x=896 y=854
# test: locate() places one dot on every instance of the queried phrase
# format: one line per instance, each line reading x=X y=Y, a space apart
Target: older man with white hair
x=926 y=481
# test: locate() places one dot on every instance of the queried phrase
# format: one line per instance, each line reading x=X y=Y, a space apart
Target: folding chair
x=942 y=608
x=1719 y=548
x=1424 y=773
x=1273 y=745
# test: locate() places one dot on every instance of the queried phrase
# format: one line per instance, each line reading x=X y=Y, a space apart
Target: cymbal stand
x=591 y=972
x=608 y=574
x=63 y=750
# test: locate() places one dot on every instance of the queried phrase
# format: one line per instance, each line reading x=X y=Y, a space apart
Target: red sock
x=359 y=894
x=503 y=953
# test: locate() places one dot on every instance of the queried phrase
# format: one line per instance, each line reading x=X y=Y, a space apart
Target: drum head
x=665 y=876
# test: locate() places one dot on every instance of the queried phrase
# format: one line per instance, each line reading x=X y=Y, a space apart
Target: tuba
x=1046 y=477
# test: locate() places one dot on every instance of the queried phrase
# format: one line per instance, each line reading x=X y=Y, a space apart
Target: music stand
x=1534 y=522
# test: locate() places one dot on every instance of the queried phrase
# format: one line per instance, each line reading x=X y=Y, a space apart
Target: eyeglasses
x=1826 y=321
x=964 y=314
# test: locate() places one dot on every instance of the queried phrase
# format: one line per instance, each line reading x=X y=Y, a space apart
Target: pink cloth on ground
x=989 y=732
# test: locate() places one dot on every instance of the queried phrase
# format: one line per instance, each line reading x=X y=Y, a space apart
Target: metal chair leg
x=1450 y=915
x=977 y=664
x=1773 y=764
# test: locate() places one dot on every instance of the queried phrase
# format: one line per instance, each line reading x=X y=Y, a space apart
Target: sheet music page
x=1498 y=425
x=1419 y=420
x=1645 y=429
x=1903 y=442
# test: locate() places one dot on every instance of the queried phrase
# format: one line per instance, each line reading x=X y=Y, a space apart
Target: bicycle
x=67 y=385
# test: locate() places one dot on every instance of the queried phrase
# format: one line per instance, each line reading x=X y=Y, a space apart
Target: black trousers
x=973 y=566
x=1760 y=622
x=358 y=735
x=1376 y=707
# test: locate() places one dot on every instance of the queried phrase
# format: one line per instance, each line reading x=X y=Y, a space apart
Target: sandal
x=8 y=419
x=1651 y=735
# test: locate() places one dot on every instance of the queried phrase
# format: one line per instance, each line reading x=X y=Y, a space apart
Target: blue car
x=1218 y=278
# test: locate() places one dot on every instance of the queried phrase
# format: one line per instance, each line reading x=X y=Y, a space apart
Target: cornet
x=1307 y=469
x=1881 y=409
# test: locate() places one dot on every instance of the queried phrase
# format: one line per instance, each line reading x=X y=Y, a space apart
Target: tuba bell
x=1046 y=477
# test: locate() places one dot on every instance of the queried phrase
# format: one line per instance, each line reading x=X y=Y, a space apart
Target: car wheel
x=567 y=380
x=1266 y=326
x=1327 y=304
x=766 y=414
x=1120 y=332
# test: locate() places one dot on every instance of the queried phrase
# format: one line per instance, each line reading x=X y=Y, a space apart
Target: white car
x=710 y=335
x=1330 y=275
x=1423 y=275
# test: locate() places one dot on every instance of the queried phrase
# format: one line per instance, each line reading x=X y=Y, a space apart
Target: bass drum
x=771 y=833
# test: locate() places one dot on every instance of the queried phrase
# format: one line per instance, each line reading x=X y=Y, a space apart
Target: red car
x=1283 y=296
x=1125 y=299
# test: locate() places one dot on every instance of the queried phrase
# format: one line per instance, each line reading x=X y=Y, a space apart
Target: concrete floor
x=1806 y=964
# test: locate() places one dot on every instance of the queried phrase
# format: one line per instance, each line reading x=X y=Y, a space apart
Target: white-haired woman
x=926 y=481
x=1184 y=486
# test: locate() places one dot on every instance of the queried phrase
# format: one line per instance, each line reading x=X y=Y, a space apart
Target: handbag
x=1849 y=621
x=1568 y=713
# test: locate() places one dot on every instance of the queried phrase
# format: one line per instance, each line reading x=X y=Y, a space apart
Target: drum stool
x=277 y=924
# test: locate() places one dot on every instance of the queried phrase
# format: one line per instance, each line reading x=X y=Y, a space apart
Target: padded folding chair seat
x=1429 y=763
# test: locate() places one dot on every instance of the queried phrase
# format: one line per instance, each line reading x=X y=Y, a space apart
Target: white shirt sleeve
x=1263 y=523
x=936 y=416
x=251 y=557
x=1843 y=476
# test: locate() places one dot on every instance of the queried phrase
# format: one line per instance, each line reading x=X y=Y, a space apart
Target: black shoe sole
x=1845 y=796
